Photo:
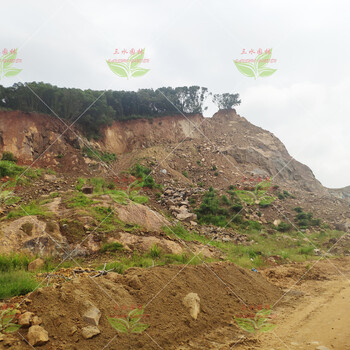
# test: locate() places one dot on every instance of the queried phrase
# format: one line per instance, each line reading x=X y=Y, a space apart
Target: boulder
x=36 y=264
x=192 y=301
x=186 y=216
x=37 y=335
x=141 y=215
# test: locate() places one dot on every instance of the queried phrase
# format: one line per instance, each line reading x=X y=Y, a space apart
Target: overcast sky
x=305 y=103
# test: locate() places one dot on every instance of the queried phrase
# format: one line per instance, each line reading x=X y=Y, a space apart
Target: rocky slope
x=179 y=150
x=247 y=149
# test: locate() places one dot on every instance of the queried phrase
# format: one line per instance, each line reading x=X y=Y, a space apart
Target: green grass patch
x=111 y=247
x=10 y=262
x=95 y=154
x=79 y=201
x=33 y=208
x=16 y=283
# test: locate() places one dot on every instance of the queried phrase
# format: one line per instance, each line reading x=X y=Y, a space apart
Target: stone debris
x=89 y=332
x=37 y=335
x=25 y=319
x=176 y=200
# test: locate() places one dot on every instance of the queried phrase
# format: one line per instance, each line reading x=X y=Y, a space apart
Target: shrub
x=140 y=171
x=304 y=220
x=216 y=173
x=9 y=168
x=185 y=173
x=284 y=227
x=9 y=157
x=298 y=209
x=210 y=212
x=225 y=200
x=214 y=167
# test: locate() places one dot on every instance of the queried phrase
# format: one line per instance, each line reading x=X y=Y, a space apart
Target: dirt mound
x=285 y=275
x=222 y=288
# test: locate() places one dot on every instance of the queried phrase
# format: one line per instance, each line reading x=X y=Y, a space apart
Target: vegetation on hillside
x=93 y=109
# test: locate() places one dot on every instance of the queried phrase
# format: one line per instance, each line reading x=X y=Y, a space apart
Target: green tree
x=226 y=100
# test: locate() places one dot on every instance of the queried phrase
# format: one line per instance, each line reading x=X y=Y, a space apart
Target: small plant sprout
x=256 y=323
x=7 y=315
x=130 y=323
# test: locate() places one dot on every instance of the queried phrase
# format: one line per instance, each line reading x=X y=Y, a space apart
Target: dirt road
x=316 y=316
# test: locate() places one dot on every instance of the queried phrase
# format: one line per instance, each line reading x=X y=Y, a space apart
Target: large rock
x=37 y=335
x=89 y=332
x=186 y=216
x=145 y=243
x=141 y=215
x=192 y=301
x=25 y=319
x=31 y=235
x=92 y=315
x=36 y=264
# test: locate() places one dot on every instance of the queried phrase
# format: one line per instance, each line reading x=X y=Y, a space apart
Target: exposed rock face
x=28 y=135
x=259 y=151
x=251 y=148
x=342 y=193
x=32 y=235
